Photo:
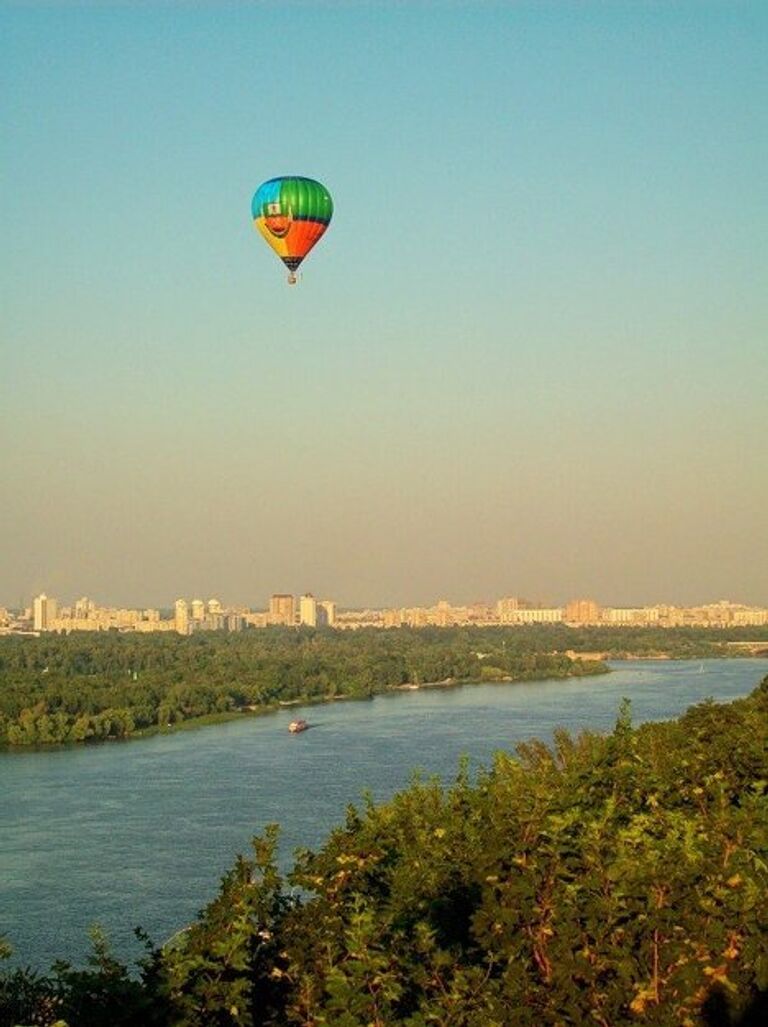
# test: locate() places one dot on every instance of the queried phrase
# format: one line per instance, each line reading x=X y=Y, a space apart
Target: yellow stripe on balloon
x=280 y=246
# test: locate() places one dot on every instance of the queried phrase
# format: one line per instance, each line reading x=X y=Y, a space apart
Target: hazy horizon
x=528 y=358
x=262 y=603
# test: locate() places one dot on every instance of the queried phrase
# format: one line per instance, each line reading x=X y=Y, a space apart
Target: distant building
x=84 y=614
x=44 y=611
x=506 y=609
x=542 y=615
x=582 y=611
x=308 y=611
x=84 y=609
x=442 y=614
x=181 y=616
x=147 y=626
x=416 y=617
x=326 y=613
x=750 y=617
x=393 y=618
x=481 y=613
x=282 y=609
x=633 y=616
x=351 y=620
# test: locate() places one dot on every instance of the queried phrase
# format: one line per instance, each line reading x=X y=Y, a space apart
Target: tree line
x=610 y=880
x=93 y=686
x=96 y=686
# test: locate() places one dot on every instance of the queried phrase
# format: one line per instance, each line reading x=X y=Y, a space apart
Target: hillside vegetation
x=607 y=880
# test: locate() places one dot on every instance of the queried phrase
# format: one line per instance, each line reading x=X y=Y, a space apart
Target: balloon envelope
x=292 y=213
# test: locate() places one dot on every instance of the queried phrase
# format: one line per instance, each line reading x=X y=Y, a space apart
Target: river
x=140 y=832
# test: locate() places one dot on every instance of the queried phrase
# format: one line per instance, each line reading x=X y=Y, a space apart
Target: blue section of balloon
x=268 y=192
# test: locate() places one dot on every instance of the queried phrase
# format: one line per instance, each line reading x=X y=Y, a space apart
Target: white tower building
x=43 y=612
x=326 y=613
x=308 y=611
x=181 y=616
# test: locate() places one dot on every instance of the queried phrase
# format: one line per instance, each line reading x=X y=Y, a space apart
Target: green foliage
x=103 y=994
x=94 y=687
x=226 y=968
x=609 y=880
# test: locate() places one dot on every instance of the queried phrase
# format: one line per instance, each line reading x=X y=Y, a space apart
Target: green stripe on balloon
x=306 y=198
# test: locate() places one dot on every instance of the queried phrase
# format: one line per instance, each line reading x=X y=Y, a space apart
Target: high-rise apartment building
x=282 y=609
x=326 y=613
x=308 y=610
x=582 y=611
x=44 y=612
x=198 y=609
x=181 y=616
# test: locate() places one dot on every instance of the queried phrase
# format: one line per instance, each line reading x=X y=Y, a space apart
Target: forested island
x=609 y=879
x=90 y=687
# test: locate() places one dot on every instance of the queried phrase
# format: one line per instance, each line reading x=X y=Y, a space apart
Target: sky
x=529 y=357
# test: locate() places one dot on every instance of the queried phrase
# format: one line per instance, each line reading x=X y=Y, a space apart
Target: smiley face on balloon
x=277 y=222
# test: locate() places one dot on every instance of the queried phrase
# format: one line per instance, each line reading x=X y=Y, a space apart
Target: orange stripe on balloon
x=302 y=236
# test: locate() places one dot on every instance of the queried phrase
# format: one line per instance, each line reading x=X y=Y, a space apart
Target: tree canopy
x=91 y=687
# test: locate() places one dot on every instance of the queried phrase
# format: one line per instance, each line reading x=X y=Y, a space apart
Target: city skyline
x=47 y=613
x=534 y=597
x=530 y=348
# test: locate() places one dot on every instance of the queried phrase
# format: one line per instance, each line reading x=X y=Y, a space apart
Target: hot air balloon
x=292 y=213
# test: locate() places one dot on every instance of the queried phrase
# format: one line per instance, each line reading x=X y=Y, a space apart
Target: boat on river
x=297 y=726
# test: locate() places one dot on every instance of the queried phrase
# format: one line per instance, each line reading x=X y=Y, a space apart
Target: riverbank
x=577 y=670
x=88 y=687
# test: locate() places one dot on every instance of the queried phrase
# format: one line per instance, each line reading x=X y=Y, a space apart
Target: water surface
x=140 y=832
